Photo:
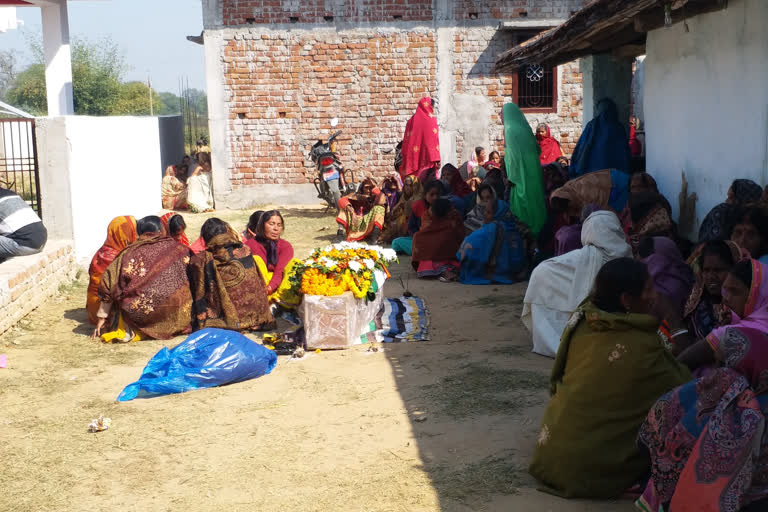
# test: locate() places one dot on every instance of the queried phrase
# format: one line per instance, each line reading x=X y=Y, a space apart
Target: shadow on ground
x=475 y=411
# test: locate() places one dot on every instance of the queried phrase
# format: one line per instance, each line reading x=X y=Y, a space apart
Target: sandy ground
x=443 y=425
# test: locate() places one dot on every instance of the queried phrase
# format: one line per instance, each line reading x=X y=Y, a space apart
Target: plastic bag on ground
x=207 y=358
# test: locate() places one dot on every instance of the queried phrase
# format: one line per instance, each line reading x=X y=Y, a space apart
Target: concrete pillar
x=605 y=76
x=58 y=59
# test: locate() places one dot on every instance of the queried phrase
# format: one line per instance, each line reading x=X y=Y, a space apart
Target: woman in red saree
x=437 y=242
x=550 y=148
x=421 y=142
x=121 y=232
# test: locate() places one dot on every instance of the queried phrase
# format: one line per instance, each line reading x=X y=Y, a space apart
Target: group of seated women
x=674 y=416
x=451 y=231
x=148 y=281
x=659 y=387
x=188 y=185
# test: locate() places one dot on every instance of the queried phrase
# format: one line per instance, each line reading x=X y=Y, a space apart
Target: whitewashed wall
x=93 y=169
x=706 y=103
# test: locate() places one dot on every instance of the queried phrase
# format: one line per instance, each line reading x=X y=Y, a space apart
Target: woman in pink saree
x=707 y=439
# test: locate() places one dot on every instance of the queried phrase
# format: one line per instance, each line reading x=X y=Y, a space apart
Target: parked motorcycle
x=332 y=180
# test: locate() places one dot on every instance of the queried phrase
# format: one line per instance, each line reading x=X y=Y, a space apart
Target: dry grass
x=478 y=388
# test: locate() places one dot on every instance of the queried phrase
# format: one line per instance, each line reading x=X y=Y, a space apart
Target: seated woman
x=750 y=232
x=672 y=277
x=568 y=238
x=146 y=289
x=200 y=187
x=610 y=369
x=607 y=189
x=558 y=285
x=494 y=161
x=706 y=439
x=361 y=214
x=437 y=242
x=704 y=309
x=720 y=220
x=418 y=209
x=555 y=177
x=273 y=256
x=550 y=148
x=396 y=221
x=121 y=233
x=454 y=187
x=228 y=290
x=494 y=250
x=173 y=191
x=392 y=189
x=175 y=227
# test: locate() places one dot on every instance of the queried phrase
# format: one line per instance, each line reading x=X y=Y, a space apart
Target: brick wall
x=27 y=282
x=283 y=90
x=240 y=12
x=283 y=85
x=505 y=9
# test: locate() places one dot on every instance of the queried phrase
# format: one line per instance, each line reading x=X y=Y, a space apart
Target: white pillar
x=58 y=59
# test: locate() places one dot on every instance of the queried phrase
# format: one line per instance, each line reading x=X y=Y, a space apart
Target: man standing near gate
x=21 y=231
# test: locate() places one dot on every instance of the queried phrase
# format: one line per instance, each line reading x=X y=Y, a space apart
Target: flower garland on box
x=337 y=268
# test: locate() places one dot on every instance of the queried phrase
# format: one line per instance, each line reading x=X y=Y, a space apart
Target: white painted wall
x=93 y=169
x=706 y=103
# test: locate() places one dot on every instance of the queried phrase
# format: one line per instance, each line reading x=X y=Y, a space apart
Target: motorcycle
x=332 y=180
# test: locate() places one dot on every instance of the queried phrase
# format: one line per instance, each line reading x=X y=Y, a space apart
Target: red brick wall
x=241 y=12
x=504 y=9
x=283 y=88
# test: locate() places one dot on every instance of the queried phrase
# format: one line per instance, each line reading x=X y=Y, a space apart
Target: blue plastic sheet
x=207 y=358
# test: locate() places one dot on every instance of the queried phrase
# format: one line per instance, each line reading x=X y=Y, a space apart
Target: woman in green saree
x=610 y=369
x=521 y=158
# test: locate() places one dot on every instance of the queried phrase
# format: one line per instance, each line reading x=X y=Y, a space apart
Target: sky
x=151 y=34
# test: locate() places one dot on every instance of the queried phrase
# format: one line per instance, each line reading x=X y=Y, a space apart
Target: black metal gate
x=19 y=170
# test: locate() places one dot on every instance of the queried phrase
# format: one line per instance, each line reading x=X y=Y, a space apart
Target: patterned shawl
x=706 y=438
x=121 y=232
x=701 y=313
x=228 y=289
x=148 y=283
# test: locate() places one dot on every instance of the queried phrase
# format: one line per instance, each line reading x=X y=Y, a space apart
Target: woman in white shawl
x=199 y=190
x=559 y=285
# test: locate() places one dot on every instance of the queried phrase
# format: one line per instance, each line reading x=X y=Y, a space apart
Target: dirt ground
x=443 y=425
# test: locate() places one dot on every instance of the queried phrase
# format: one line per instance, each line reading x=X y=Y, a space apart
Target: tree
x=169 y=104
x=97 y=69
x=8 y=71
x=133 y=100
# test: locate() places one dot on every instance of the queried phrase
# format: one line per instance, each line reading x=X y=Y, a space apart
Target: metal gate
x=19 y=170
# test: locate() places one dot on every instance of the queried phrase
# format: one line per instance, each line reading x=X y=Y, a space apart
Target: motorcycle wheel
x=334 y=193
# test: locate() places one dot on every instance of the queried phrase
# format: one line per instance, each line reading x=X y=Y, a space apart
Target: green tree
x=133 y=100
x=27 y=91
x=97 y=69
x=169 y=104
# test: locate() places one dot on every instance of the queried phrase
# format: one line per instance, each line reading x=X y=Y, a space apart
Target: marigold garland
x=335 y=269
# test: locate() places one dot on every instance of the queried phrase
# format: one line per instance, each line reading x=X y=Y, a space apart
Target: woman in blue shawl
x=603 y=143
x=494 y=251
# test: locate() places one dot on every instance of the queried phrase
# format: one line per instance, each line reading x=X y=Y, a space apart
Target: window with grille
x=535 y=87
